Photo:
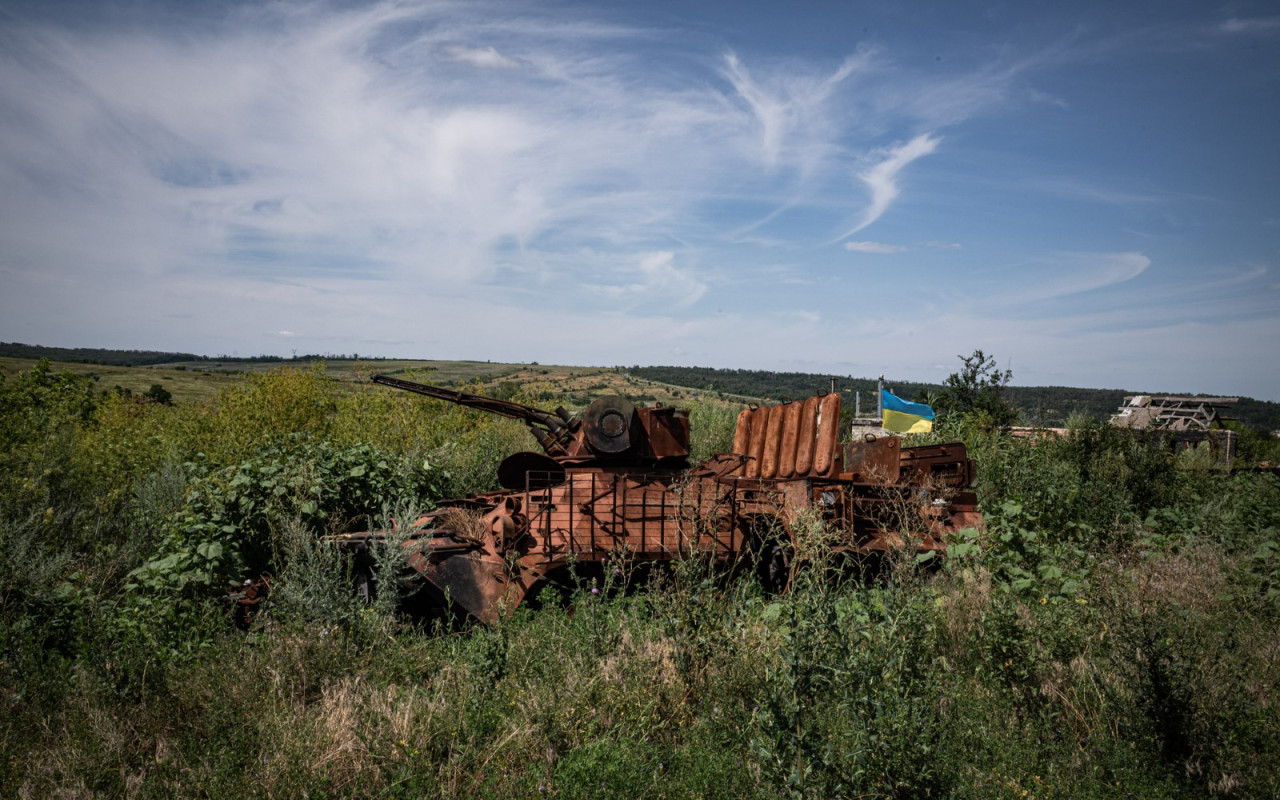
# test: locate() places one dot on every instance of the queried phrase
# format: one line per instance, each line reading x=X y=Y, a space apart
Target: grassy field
x=185 y=384
x=197 y=381
x=1112 y=632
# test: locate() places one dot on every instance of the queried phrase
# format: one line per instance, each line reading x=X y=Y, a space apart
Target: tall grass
x=1110 y=633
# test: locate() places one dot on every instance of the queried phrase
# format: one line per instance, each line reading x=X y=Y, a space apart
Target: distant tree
x=978 y=389
x=159 y=394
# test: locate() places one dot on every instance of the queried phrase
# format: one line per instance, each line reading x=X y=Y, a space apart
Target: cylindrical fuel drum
x=742 y=436
x=790 y=439
x=773 y=442
x=759 y=429
x=808 y=432
x=828 y=434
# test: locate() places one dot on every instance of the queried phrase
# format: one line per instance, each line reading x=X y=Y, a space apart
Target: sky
x=1087 y=192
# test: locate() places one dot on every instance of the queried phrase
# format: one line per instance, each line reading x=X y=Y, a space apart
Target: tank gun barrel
x=551 y=431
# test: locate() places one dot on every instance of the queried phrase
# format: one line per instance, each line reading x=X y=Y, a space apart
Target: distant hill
x=1040 y=405
x=94 y=355
x=150 y=358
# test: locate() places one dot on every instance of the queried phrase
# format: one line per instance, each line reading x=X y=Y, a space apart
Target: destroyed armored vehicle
x=615 y=482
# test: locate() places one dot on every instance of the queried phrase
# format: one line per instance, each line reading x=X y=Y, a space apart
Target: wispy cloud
x=1251 y=25
x=873 y=247
x=787 y=103
x=656 y=280
x=1082 y=272
x=882 y=179
x=1055 y=276
x=1038 y=96
x=395 y=142
x=1074 y=187
x=480 y=56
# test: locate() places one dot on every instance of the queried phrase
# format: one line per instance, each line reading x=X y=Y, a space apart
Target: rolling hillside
x=188 y=376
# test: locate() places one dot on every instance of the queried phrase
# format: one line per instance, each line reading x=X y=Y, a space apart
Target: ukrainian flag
x=901 y=416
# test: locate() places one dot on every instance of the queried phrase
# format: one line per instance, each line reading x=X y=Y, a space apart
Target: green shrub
x=226 y=528
x=40 y=411
x=711 y=428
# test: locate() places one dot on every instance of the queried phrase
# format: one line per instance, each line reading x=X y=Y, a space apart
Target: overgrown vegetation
x=1111 y=632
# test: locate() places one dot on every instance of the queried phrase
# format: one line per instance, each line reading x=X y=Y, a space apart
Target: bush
x=225 y=529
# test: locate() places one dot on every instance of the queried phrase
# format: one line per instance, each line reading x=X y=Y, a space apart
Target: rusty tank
x=615 y=482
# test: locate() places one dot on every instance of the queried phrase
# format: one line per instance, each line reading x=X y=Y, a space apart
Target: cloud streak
x=1057 y=276
x=873 y=247
x=788 y=105
x=1251 y=25
x=882 y=178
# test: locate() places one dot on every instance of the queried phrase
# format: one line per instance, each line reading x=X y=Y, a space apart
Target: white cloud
x=1082 y=272
x=788 y=105
x=882 y=179
x=658 y=282
x=1074 y=187
x=480 y=56
x=1095 y=270
x=873 y=247
x=1252 y=25
x=1059 y=275
x=1048 y=99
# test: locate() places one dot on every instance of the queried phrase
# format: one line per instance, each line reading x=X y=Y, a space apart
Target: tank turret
x=611 y=430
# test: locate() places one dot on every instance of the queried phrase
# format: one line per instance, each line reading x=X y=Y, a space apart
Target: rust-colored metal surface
x=615 y=483
x=245 y=599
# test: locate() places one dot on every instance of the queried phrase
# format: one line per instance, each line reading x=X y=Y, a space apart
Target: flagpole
x=880 y=400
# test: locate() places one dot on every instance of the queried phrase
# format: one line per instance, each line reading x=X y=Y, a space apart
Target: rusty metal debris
x=246 y=598
x=615 y=482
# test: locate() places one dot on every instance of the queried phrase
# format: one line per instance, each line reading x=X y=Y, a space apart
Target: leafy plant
x=225 y=529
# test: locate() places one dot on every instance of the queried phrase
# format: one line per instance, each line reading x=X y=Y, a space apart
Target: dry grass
x=962 y=603
x=1194 y=577
x=461 y=522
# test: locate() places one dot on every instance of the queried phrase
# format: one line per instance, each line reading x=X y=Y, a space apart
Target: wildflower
x=1044 y=600
x=594 y=590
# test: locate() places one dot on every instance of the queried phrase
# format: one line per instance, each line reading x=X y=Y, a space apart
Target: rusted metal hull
x=486 y=554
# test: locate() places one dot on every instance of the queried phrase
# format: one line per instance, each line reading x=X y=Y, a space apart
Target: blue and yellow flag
x=901 y=416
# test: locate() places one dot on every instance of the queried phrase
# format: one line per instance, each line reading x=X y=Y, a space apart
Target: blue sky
x=1086 y=191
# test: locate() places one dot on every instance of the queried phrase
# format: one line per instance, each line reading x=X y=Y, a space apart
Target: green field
x=194 y=381
x=1112 y=631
